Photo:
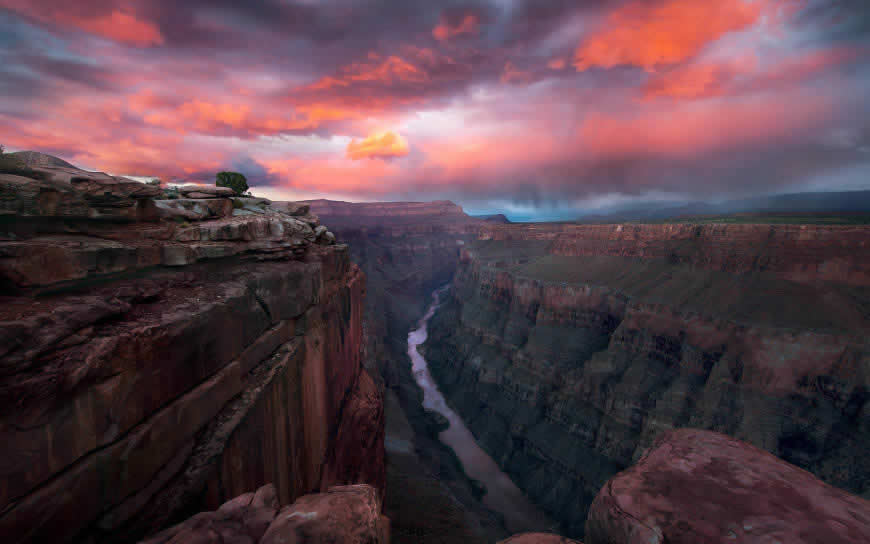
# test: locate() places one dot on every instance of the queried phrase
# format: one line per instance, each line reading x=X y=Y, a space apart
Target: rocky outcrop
x=348 y=514
x=154 y=368
x=698 y=486
x=567 y=368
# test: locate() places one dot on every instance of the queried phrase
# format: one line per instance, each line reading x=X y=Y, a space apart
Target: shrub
x=235 y=181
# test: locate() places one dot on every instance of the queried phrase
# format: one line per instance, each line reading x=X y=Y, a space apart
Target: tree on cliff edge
x=235 y=181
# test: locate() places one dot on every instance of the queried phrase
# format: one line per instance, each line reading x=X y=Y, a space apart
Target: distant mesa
x=499 y=218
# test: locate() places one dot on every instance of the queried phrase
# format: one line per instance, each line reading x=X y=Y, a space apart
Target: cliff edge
x=163 y=352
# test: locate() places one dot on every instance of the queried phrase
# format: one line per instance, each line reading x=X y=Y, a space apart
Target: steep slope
x=160 y=357
x=568 y=349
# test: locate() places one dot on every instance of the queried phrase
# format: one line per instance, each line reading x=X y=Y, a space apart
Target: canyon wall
x=160 y=357
x=567 y=357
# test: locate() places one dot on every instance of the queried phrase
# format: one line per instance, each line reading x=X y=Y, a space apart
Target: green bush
x=235 y=181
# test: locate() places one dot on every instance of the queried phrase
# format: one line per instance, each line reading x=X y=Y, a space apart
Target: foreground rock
x=346 y=514
x=150 y=368
x=696 y=486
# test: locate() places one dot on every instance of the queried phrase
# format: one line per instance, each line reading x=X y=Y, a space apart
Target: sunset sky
x=500 y=105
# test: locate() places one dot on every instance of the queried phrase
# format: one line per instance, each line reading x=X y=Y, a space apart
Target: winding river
x=502 y=496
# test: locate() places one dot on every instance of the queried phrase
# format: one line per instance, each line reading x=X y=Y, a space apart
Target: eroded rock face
x=153 y=368
x=698 y=486
x=567 y=368
x=346 y=514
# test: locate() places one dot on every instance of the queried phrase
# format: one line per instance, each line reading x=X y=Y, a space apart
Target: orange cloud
x=695 y=128
x=556 y=64
x=444 y=31
x=512 y=74
x=650 y=35
x=700 y=80
x=119 y=25
x=383 y=145
x=391 y=70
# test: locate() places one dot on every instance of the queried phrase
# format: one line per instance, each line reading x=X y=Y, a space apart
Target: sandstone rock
x=69 y=192
x=205 y=191
x=346 y=514
x=194 y=210
x=358 y=454
x=538 y=538
x=96 y=449
x=292 y=208
x=698 y=486
x=242 y=520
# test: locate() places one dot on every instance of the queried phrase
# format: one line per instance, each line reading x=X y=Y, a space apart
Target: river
x=502 y=496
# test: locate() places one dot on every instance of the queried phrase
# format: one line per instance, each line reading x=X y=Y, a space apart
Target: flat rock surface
x=699 y=486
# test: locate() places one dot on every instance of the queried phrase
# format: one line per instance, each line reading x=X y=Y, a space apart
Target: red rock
x=803 y=253
x=358 y=453
x=699 y=486
x=242 y=520
x=192 y=209
x=135 y=391
x=346 y=514
x=205 y=191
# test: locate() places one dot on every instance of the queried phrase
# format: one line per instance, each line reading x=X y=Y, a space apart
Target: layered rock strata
x=698 y=486
x=567 y=367
x=152 y=368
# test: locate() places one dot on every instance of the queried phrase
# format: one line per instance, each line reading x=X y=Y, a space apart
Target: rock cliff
x=163 y=355
x=569 y=356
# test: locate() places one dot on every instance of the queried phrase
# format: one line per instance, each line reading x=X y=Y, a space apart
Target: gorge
x=219 y=368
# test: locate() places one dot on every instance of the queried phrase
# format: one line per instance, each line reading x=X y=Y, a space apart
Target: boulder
x=242 y=520
x=699 y=486
x=205 y=191
x=346 y=514
x=292 y=208
x=194 y=209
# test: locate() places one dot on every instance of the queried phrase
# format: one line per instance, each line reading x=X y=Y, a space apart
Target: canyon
x=569 y=349
x=196 y=366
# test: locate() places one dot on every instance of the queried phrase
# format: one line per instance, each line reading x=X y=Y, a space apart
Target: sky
x=518 y=106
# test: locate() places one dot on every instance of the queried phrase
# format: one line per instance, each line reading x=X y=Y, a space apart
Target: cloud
x=381 y=145
x=447 y=29
x=652 y=34
x=523 y=101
